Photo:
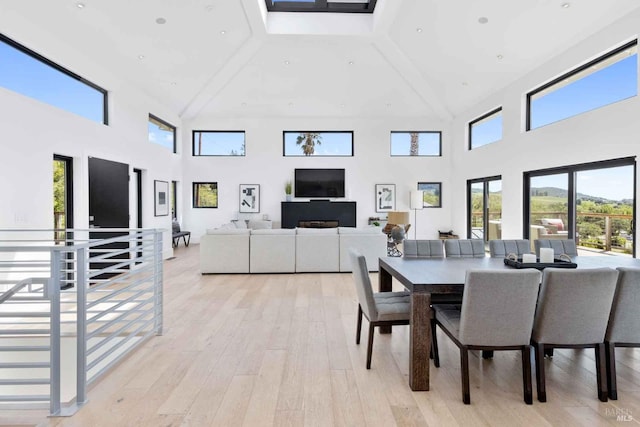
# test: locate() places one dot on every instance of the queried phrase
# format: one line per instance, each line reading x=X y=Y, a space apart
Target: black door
x=108 y=203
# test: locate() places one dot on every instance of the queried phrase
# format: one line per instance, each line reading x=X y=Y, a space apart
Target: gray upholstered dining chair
x=624 y=322
x=502 y=248
x=560 y=246
x=423 y=249
x=464 y=248
x=497 y=313
x=573 y=311
x=382 y=308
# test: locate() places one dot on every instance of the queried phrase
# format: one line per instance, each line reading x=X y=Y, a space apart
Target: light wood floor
x=261 y=350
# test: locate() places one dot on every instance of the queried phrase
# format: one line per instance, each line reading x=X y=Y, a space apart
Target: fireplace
x=318 y=224
x=319 y=213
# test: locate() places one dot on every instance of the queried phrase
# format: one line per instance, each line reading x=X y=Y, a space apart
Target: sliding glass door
x=593 y=203
x=484 y=208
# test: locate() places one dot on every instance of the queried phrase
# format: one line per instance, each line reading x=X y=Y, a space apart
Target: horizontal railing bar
x=117 y=346
x=25 y=348
x=23 y=314
x=29 y=381
x=129 y=288
x=31 y=398
x=96 y=376
x=25 y=332
x=16 y=288
x=107 y=338
x=111 y=323
x=24 y=365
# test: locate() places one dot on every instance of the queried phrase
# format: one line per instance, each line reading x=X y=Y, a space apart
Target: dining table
x=424 y=277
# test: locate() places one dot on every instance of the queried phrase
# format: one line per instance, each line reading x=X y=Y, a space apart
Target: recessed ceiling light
x=80 y=5
x=465 y=84
x=565 y=5
x=499 y=56
x=350 y=62
x=286 y=62
x=418 y=30
x=223 y=32
x=161 y=21
x=244 y=104
x=291 y=104
x=388 y=105
x=341 y=105
x=174 y=83
x=483 y=20
x=209 y=8
x=140 y=56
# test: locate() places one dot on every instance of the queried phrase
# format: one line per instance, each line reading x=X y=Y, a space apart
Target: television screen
x=327 y=183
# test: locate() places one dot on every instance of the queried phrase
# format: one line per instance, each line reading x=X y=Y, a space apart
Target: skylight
x=334 y=6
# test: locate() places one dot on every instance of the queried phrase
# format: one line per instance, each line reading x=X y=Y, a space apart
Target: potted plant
x=287 y=190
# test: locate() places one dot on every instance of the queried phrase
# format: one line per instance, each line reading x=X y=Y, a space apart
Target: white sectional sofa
x=289 y=250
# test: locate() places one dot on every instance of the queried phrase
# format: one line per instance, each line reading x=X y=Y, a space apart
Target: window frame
x=321 y=6
x=285 y=132
x=439 y=132
x=570 y=74
x=193 y=143
x=67 y=72
x=193 y=195
x=167 y=124
x=479 y=119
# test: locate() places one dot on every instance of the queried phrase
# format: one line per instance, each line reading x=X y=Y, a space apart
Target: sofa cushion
x=361 y=230
x=239 y=223
x=556 y=222
x=328 y=231
x=228 y=231
x=259 y=224
x=273 y=231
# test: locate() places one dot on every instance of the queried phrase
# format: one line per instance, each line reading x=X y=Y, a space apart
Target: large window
x=205 y=194
x=608 y=79
x=218 y=143
x=314 y=143
x=416 y=143
x=335 y=6
x=486 y=129
x=592 y=203
x=162 y=133
x=30 y=74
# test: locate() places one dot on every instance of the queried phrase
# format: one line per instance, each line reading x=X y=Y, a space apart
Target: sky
x=610 y=183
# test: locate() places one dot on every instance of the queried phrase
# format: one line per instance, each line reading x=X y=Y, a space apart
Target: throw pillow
x=259 y=225
x=239 y=223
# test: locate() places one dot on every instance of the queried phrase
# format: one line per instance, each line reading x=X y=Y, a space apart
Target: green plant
x=287 y=188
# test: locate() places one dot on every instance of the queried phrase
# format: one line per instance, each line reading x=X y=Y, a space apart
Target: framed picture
x=161 y=198
x=432 y=194
x=385 y=197
x=249 y=198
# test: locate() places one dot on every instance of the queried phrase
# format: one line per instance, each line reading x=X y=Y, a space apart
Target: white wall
x=606 y=133
x=264 y=164
x=32 y=132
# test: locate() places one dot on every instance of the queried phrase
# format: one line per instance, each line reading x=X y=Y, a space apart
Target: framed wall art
x=385 y=197
x=161 y=198
x=249 y=198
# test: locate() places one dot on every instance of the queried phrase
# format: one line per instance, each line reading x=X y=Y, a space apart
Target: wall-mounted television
x=326 y=183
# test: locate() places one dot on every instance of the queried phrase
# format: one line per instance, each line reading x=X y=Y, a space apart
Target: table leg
x=419 y=341
x=384 y=285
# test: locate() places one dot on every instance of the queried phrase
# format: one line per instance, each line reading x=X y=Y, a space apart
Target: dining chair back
x=560 y=246
x=382 y=308
x=423 y=249
x=502 y=248
x=623 y=329
x=573 y=311
x=464 y=248
x=497 y=313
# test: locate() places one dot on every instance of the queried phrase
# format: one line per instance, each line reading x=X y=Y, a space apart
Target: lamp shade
x=398 y=218
x=417 y=200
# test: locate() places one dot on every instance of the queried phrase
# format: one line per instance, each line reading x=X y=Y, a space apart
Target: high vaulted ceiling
x=431 y=58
